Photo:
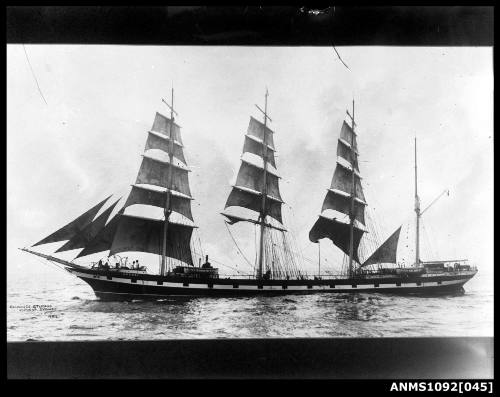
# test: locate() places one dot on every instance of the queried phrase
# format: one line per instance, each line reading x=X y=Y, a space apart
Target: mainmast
x=257 y=187
x=417 y=211
x=168 y=206
x=264 y=189
x=352 y=214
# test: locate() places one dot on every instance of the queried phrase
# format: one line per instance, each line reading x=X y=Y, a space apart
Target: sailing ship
x=163 y=183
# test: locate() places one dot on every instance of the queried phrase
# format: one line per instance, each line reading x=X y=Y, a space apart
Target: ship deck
x=113 y=284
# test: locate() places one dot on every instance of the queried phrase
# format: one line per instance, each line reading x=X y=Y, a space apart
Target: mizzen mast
x=417 y=212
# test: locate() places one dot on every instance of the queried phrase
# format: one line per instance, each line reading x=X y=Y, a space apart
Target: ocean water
x=53 y=305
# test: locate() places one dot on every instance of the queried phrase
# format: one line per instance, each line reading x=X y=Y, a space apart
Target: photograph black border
x=269 y=358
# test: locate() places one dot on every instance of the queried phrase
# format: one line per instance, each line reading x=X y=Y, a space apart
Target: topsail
x=249 y=188
x=161 y=125
x=257 y=189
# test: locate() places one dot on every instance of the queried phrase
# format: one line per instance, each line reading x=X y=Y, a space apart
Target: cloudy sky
x=66 y=155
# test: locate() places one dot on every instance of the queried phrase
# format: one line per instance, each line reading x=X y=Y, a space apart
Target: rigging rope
x=48 y=261
x=430 y=247
x=236 y=244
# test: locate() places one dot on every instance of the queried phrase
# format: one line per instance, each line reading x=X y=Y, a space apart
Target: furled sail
x=82 y=238
x=386 y=253
x=232 y=219
x=339 y=197
x=249 y=188
x=74 y=227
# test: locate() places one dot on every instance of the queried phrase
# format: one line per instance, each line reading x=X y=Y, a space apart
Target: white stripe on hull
x=274 y=288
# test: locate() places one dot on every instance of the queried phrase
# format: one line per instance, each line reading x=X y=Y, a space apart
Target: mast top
x=351 y=117
x=264 y=112
x=171 y=107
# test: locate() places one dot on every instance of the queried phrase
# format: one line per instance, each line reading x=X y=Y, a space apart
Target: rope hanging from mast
x=237 y=246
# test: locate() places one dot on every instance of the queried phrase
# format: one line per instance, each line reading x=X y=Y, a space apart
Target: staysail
x=386 y=253
x=74 y=227
x=344 y=196
x=82 y=238
x=103 y=239
x=249 y=188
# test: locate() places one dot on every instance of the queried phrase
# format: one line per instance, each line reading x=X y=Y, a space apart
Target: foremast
x=156 y=217
x=168 y=206
x=353 y=196
x=262 y=215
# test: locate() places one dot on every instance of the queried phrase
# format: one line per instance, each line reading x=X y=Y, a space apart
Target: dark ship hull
x=112 y=285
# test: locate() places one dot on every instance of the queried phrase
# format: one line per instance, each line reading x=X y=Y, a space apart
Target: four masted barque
x=162 y=182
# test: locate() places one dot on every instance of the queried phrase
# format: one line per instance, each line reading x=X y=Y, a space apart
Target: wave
x=80 y=327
